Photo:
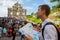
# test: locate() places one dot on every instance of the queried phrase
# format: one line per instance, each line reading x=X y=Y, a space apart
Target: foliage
x=29 y=16
x=32 y=13
x=55 y=8
x=54 y=0
x=34 y=19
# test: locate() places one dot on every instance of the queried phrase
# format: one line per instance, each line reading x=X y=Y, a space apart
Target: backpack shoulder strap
x=49 y=23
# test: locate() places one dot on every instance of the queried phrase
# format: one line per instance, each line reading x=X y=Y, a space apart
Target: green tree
x=56 y=7
x=34 y=19
x=55 y=1
x=28 y=16
x=32 y=13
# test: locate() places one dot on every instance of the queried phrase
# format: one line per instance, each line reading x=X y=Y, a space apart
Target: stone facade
x=17 y=11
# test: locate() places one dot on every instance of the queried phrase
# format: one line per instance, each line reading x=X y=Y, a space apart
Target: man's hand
x=28 y=37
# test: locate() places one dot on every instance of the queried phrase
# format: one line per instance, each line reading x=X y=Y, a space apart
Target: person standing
x=9 y=33
x=50 y=32
x=4 y=32
x=0 y=31
x=14 y=29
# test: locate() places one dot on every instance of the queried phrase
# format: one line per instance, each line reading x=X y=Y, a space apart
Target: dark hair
x=40 y=25
x=20 y=24
x=34 y=24
x=13 y=24
x=9 y=27
x=25 y=22
x=46 y=8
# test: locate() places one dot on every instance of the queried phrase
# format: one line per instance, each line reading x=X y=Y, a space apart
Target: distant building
x=17 y=12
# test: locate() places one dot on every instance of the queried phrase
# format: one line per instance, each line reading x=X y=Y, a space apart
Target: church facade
x=17 y=11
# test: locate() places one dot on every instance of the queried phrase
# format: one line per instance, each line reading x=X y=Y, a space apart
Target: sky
x=30 y=5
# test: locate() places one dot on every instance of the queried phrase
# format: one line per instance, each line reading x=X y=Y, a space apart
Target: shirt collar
x=47 y=20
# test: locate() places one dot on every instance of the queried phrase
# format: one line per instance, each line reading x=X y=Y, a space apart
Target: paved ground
x=17 y=37
x=6 y=38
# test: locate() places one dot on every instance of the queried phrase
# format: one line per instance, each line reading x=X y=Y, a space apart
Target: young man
x=50 y=32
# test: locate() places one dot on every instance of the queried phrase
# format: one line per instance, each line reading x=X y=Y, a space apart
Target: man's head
x=43 y=10
x=14 y=25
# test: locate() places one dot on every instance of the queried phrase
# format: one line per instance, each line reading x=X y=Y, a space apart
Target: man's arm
x=50 y=33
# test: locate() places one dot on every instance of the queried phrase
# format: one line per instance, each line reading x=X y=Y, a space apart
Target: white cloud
x=3 y=11
x=3 y=7
x=8 y=3
x=4 y=4
x=28 y=8
x=47 y=2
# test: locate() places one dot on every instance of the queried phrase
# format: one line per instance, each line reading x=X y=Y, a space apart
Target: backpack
x=9 y=30
x=50 y=23
x=4 y=30
x=9 y=33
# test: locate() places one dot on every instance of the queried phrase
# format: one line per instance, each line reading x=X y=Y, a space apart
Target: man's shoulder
x=50 y=26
